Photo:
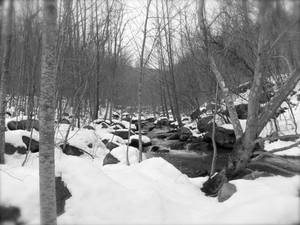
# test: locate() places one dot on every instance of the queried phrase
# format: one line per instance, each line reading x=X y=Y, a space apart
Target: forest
x=188 y=111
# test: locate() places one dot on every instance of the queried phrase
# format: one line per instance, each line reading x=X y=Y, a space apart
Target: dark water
x=192 y=163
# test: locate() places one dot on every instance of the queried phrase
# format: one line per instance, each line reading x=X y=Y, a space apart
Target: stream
x=193 y=163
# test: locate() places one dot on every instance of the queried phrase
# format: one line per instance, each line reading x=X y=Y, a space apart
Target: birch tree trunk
x=6 y=48
x=140 y=85
x=47 y=114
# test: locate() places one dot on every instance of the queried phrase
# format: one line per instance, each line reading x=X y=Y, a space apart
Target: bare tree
x=5 y=72
x=256 y=121
x=140 y=85
x=47 y=114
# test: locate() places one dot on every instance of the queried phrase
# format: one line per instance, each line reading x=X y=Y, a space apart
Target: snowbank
x=151 y=192
x=14 y=137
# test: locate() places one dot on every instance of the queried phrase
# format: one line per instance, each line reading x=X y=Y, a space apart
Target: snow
x=120 y=154
x=127 y=124
x=145 y=139
x=104 y=134
x=295 y=151
x=14 y=137
x=151 y=192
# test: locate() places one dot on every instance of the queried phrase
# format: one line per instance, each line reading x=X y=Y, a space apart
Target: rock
x=204 y=124
x=111 y=145
x=71 y=150
x=8 y=114
x=184 y=133
x=103 y=125
x=226 y=191
x=90 y=145
x=10 y=149
x=22 y=125
x=224 y=138
x=212 y=186
x=10 y=215
x=135 y=143
x=173 y=137
x=64 y=121
x=62 y=194
x=121 y=125
x=158 y=149
x=65 y=114
x=34 y=146
x=163 y=122
x=89 y=127
x=123 y=133
x=195 y=114
x=150 y=119
x=110 y=159
x=241 y=110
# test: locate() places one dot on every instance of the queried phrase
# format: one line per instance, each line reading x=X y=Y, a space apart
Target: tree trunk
x=140 y=84
x=225 y=91
x=47 y=114
x=6 y=48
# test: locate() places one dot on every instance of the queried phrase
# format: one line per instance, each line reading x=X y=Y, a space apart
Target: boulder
x=163 y=122
x=120 y=125
x=64 y=121
x=224 y=138
x=204 y=124
x=34 y=145
x=110 y=159
x=65 y=114
x=123 y=133
x=62 y=194
x=214 y=183
x=10 y=215
x=134 y=141
x=22 y=125
x=241 y=110
x=88 y=127
x=10 y=149
x=111 y=145
x=226 y=191
x=103 y=125
x=71 y=150
x=184 y=133
x=150 y=119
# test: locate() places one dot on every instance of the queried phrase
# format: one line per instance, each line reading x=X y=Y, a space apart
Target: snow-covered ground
x=151 y=192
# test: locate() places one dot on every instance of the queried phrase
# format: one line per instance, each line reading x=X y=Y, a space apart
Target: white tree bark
x=6 y=48
x=47 y=114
